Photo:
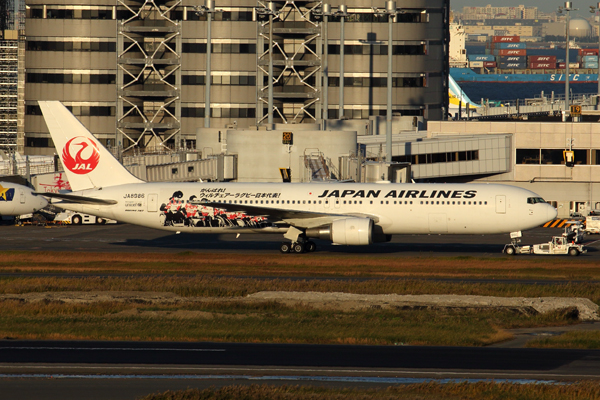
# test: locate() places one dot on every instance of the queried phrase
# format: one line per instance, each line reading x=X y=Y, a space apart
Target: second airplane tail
x=88 y=164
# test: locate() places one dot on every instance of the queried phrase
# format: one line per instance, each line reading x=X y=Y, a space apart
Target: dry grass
x=215 y=286
x=303 y=265
x=569 y=340
x=215 y=275
x=588 y=390
x=267 y=322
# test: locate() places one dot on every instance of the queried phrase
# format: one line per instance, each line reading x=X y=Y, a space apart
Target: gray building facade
x=135 y=73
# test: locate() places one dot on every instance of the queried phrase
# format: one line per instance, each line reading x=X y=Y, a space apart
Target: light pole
x=568 y=7
x=326 y=13
x=593 y=11
x=209 y=10
x=391 y=12
x=271 y=12
x=342 y=12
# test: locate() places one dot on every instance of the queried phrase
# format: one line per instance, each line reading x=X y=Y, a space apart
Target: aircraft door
x=22 y=196
x=152 y=202
x=500 y=204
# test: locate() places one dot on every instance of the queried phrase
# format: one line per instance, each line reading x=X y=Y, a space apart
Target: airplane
x=342 y=213
x=18 y=200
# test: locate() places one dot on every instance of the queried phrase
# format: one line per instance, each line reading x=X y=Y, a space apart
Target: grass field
x=219 y=275
x=425 y=391
x=267 y=322
x=313 y=265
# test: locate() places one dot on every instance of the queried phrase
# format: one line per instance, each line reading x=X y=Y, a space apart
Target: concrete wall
x=261 y=153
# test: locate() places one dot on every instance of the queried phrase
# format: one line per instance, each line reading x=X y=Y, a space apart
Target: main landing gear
x=298 y=247
x=298 y=242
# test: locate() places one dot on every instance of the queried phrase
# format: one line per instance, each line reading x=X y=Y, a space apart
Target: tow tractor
x=557 y=246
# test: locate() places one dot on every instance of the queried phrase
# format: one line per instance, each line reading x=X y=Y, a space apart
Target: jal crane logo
x=80 y=155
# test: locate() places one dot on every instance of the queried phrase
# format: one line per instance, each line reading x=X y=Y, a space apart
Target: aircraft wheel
x=573 y=251
x=510 y=250
x=298 y=248
x=285 y=247
x=310 y=246
x=76 y=220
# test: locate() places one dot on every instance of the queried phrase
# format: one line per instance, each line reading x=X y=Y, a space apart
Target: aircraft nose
x=42 y=202
x=552 y=212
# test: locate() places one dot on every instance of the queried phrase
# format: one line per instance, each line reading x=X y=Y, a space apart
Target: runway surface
x=129 y=238
x=27 y=366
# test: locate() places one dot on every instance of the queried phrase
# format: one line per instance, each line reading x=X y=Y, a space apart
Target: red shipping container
x=551 y=59
x=512 y=52
x=561 y=65
x=505 y=39
x=588 y=52
x=542 y=65
x=489 y=64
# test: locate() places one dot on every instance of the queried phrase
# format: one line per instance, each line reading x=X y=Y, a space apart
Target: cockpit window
x=534 y=200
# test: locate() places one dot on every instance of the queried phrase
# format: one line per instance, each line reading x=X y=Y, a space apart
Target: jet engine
x=350 y=231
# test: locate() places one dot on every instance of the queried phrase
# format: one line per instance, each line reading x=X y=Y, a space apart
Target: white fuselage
x=18 y=200
x=396 y=208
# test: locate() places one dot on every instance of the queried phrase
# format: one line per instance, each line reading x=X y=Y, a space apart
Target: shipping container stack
x=588 y=58
x=510 y=52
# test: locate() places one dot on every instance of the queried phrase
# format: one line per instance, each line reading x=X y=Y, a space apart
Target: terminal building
x=144 y=64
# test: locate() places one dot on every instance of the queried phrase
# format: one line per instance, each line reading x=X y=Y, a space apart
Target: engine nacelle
x=350 y=231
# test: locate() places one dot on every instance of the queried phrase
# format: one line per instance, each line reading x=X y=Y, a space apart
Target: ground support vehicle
x=559 y=245
x=592 y=224
x=70 y=217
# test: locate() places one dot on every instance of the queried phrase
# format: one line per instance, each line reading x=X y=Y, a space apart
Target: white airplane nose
x=42 y=202
x=552 y=212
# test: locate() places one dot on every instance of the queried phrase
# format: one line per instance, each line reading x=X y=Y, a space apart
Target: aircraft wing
x=77 y=199
x=293 y=217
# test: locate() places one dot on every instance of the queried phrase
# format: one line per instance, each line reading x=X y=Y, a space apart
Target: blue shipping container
x=511 y=65
x=589 y=58
x=481 y=57
x=505 y=46
x=512 y=59
x=590 y=64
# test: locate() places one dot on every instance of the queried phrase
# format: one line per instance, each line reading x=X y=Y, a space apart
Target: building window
x=552 y=156
x=41 y=45
x=433 y=158
x=100 y=79
x=220 y=48
x=193 y=112
x=417 y=81
x=70 y=12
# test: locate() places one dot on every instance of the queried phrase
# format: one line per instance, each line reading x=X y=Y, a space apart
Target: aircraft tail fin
x=456 y=95
x=88 y=164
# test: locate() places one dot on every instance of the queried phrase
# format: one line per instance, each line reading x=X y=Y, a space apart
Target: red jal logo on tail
x=80 y=155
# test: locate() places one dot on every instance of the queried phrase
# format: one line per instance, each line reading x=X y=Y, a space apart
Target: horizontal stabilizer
x=77 y=199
